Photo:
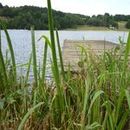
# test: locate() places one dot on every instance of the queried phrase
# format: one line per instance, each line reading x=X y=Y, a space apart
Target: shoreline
x=97 y=29
x=93 y=30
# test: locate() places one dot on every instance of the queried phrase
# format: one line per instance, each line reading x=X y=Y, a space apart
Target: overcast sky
x=87 y=7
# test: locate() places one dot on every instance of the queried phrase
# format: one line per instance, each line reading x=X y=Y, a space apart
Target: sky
x=86 y=7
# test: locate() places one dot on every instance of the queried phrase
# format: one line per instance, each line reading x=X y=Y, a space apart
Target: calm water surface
x=21 y=40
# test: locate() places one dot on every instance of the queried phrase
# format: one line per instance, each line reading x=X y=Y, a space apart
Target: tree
x=128 y=24
x=26 y=16
x=94 y=21
x=1 y=6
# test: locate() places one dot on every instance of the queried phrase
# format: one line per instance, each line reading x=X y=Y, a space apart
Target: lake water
x=21 y=40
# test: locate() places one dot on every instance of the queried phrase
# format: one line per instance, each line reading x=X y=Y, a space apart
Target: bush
x=128 y=24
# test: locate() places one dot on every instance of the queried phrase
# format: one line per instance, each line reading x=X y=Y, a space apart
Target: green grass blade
x=46 y=39
x=60 y=55
x=96 y=95
x=28 y=69
x=54 y=57
x=47 y=43
x=2 y=64
x=127 y=47
x=20 y=127
x=34 y=56
x=44 y=61
x=86 y=96
x=60 y=99
x=128 y=97
x=11 y=52
x=119 y=104
x=127 y=51
x=123 y=121
x=93 y=126
x=111 y=122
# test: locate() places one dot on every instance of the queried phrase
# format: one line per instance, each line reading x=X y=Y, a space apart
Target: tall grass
x=59 y=95
x=44 y=62
x=3 y=69
x=54 y=57
x=11 y=52
x=95 y=98
x=34 y=57
x=60 y=55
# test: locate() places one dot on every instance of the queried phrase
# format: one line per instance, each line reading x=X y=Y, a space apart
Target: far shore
x=95 y=28
x=92 y=28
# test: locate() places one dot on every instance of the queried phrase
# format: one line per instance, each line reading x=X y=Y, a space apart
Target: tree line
x=26 y=16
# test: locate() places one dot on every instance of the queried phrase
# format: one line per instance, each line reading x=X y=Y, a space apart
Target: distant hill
x=25 y=16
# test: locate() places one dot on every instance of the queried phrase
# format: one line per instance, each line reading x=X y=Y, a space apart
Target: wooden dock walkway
x=72 y=50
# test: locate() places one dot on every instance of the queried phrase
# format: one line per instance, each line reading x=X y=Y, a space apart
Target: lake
x=21 y=40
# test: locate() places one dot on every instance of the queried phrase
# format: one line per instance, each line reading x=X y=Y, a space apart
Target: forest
x=26 y=16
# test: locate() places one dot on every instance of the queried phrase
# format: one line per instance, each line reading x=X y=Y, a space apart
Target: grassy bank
x=121 y=27
x=96 y=98
x=87 y=27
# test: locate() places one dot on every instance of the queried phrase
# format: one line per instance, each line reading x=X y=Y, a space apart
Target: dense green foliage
x=128 y=24
x=105 y=20
x=121 y=17
x=26 y=16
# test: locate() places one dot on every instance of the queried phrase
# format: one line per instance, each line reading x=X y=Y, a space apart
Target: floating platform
x=72 y=49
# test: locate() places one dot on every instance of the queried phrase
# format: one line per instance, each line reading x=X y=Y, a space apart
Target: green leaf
x=128 y=97
x=46 y=39
x=123 y=121
x=96 y=95
x=20 y=127
x=34 y=56
x=11 y=51
x=127 y=46
x=2 y=104
x=93 y=126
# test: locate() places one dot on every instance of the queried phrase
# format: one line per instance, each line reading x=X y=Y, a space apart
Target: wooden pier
x=72 y=50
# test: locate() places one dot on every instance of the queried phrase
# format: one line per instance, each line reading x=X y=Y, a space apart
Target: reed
x=60 y=55
x=11 y=52
x=44 y=62
x=3 y=68
x=95 y=98
x=28 y=114
x=28 y=69
x=34 y=57
x=54 y=57
x=47 y=43
x=55 y=69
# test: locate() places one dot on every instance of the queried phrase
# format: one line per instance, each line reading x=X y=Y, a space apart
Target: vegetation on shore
x=97 y=98
x=26 y=16
x=121 y=27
